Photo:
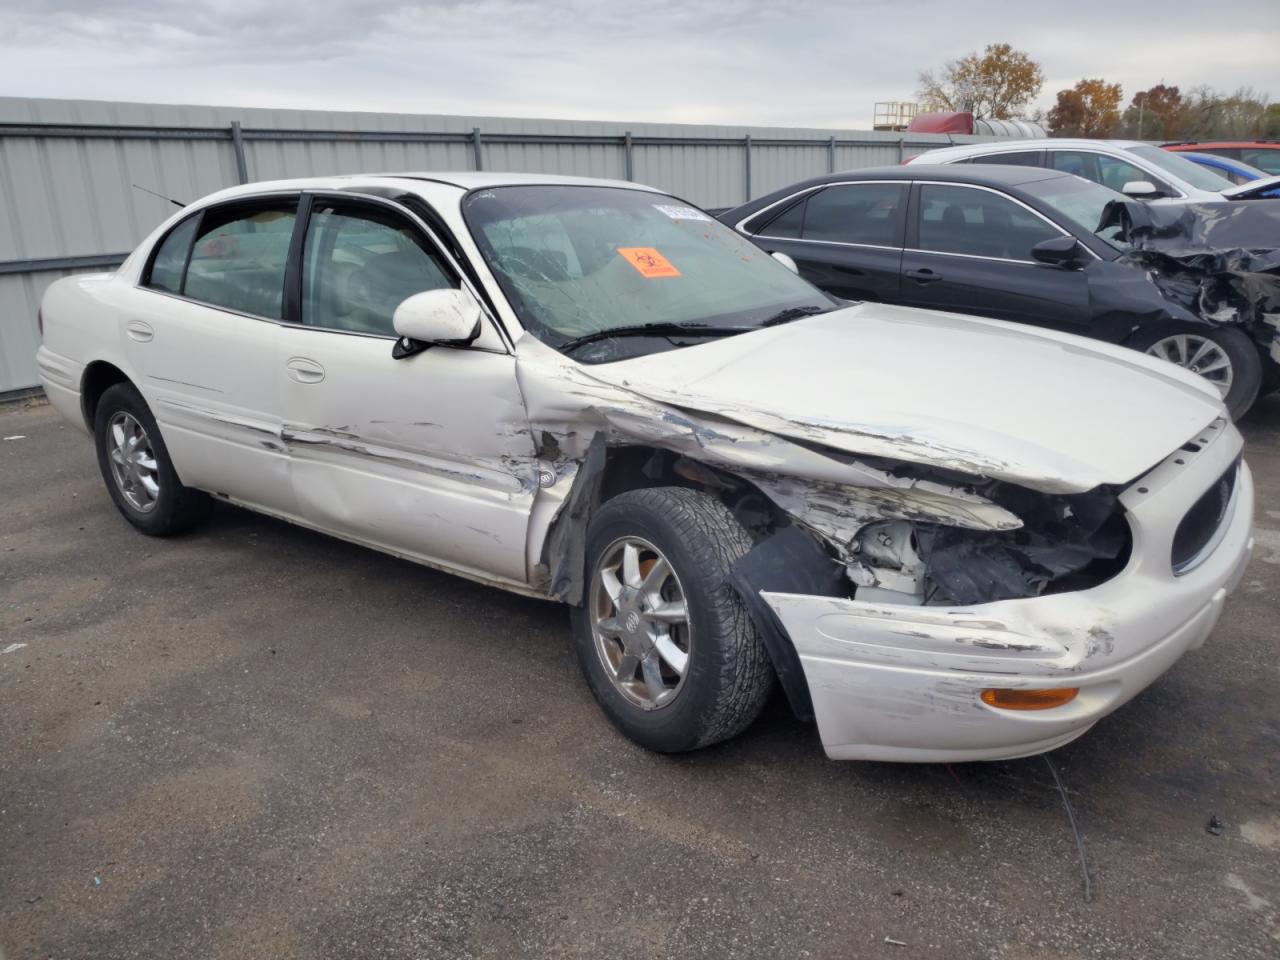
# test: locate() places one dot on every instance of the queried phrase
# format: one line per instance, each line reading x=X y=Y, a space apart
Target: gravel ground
x=256 y=741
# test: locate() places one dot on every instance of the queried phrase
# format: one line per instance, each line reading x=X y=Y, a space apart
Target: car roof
x=463 y=180
x=1012 y=146
x=982 y=175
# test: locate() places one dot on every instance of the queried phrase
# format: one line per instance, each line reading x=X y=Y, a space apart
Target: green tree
x=1089 y=109
x=997 y=85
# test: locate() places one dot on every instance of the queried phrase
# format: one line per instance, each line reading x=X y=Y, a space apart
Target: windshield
x=1080 y=201
x=1199 y=177
x=581 y=260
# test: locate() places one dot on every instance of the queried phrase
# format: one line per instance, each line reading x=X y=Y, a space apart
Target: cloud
x=804 y=63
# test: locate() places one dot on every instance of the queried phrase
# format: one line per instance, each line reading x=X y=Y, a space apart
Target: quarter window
x=170 y=261
x=239 y=257
x=978 y=223
x=359 y=264
x=860 y=213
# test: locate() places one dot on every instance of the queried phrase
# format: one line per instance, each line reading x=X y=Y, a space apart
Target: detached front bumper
x=904 y=683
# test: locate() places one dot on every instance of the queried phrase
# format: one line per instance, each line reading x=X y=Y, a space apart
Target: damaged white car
x=948 y=538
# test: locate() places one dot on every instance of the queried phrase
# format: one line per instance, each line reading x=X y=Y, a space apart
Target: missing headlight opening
x=1066 y=543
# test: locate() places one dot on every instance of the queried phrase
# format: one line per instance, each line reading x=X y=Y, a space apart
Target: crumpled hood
x=1049 y=411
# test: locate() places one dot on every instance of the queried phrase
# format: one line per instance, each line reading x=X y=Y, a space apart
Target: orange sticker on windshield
x=649 y=262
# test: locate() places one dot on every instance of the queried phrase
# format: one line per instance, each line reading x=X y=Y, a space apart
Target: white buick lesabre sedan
x=948 y=538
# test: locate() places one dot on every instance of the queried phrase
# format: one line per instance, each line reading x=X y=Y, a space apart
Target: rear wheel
x=1225 y=356
x=663 y=640
x=136 y=467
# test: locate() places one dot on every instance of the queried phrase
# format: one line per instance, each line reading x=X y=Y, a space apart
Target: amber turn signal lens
x=1029 y=699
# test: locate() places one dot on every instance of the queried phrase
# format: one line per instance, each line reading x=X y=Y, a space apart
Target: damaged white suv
x=949 y=538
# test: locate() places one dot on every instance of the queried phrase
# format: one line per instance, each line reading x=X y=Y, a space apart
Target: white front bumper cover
x=903 y=683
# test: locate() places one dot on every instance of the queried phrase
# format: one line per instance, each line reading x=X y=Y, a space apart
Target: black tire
x=176 y=508
x=1246 y=363
x=729 y=676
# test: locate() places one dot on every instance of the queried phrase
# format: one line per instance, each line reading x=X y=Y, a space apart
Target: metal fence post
x=831 y=155
x=746 y=143
x=237 y=142
x=902 y=149
x=476 y=148
x=628 y=161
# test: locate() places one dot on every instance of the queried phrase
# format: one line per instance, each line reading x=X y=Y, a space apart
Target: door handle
x=304 y=370
x=137 y=330
x=924 y=275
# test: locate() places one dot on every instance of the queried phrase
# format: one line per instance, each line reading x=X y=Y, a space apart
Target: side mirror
x=1141 y=190
x=444 y=317
x=786 y=261
x=1058 y=252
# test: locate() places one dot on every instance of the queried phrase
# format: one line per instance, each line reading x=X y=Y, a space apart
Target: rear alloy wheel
x=136 y=468
x=1224 y=356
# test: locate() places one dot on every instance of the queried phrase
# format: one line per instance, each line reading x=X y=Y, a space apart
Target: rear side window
x=978 y=223
x=1024 y=158
x=170 y=261
x=239 y=258
x=868 y=214
x=359 y=264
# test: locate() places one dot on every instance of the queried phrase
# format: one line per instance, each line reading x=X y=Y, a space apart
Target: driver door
x=431 y=456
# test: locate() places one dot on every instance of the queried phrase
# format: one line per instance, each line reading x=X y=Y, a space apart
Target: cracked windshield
x=606 y=273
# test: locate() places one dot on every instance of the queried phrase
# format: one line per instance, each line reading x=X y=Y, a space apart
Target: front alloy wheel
x=640 y=623
x=1199 y=355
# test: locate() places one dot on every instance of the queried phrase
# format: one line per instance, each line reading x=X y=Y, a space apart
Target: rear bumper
x=903 y=683
x=60 y=377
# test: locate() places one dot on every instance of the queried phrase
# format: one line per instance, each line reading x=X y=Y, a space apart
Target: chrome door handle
x=137 y=330
x=304 y=370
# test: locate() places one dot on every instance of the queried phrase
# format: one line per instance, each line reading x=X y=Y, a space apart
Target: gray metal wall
x=67 y=168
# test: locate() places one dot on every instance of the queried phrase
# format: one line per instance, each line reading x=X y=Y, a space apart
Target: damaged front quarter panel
x=959 y=521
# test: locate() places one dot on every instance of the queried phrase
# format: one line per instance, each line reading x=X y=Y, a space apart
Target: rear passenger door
x=846 y=238
x=430 y=456
x=201 y=334
x=969 y=250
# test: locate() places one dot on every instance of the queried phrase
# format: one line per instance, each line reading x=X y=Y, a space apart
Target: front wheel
x=664 y=642
x=1225 y=356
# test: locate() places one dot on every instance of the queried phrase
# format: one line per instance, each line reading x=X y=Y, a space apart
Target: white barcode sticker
x=681 y=213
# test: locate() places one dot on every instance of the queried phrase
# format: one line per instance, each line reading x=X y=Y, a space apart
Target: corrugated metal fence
x=68 y=170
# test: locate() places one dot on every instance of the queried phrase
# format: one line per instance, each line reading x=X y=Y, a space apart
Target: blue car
x=1237 y=171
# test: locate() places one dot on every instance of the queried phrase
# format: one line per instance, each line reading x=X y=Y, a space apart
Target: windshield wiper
x=793 y=313
x=653 y=330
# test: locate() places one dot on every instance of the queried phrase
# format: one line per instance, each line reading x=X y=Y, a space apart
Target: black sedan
x=1013 y=243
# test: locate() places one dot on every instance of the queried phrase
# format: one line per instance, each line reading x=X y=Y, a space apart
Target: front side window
x=978 y=223
x=1202 y=178
x=359 y=264
x=1100 y=168
x=239 y=257
x=581 y=261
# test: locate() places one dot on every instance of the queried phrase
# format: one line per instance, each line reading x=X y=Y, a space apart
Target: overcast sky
x=802 y=63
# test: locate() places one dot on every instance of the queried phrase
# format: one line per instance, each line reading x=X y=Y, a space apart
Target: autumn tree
x=1155 y=114
x=1089 y=109
x=998 y=85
